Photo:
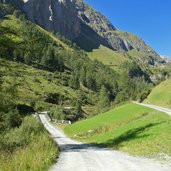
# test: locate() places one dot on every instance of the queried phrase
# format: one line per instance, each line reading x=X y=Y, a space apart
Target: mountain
x=116 y=39
x=36 y=42
x=166 y=58
x=82 y=24
x=53 y=15
x=97 y=30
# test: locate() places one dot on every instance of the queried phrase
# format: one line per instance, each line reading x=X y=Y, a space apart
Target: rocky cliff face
x=53 y=15
x=115 y=39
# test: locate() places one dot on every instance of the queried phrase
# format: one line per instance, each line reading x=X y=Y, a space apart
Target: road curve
x=76 y=156
x=159 y=108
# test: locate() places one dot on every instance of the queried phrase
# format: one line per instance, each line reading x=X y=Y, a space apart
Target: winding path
x=159 y=108
x=76 y=156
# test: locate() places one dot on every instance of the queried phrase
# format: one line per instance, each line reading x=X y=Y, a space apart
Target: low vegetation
x=21 y=135
x=130 y=128
x=109 y=57
x=28 y=147
x=161 y=94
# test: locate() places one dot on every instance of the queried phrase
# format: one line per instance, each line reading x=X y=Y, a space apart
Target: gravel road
x=159 y=108
x=76 y=156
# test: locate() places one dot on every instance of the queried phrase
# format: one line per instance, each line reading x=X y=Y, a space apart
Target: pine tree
x=78 y=109
x=83 y=75
x=74 y=82
x=90 y=81
x=27 y=58
x=104 y=101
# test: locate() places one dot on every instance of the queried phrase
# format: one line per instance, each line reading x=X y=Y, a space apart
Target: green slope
x=161 y=94
x=34 y=84
x=36 y=47
x=130 y=128
x=10 y=21
x=109 y=57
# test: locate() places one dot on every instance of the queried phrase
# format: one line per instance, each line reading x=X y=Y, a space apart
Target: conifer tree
x=104 y=101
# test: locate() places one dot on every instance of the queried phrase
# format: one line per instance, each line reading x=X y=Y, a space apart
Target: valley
x=66 y=58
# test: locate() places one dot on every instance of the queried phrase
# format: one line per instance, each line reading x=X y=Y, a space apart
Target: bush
x=57 y=113
x=22 y=136
x=13 y=119
x=28 y=147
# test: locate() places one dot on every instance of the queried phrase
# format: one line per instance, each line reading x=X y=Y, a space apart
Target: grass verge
x=27 y=148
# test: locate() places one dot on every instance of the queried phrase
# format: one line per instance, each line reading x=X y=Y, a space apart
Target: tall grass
x=33 y=150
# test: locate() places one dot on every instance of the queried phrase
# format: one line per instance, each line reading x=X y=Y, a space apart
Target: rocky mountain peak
x=90 y=16
x=54 y=15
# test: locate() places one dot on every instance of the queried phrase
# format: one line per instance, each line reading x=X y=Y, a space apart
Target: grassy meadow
x=108 y=57
x=130 y=128
x=33 y=84
x=161 y=94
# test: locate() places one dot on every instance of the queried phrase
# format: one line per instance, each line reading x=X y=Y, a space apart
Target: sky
x=149 y=19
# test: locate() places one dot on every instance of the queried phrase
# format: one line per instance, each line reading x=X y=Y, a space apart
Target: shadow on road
x=80 y=147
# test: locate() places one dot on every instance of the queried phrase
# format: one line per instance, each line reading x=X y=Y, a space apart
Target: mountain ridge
x=82 y=24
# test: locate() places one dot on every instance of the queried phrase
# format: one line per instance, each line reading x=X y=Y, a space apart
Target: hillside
x=114 y=59
x=61 y=58
x=130 y=128
x=161 y=94
x=97 y=30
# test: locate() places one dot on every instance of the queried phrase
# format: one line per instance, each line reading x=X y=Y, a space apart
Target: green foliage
x=53 y=98
x=72 y=68
x=6 y=9
x=74 y=82
x=7 y=45
x=57 y=113
x=9 y=116
x=104 y=101
x=17 y=13
x=13 y=119
x=18 y=146
x=134 y=70
x=20 y=137
x=27 y=58
x=109 y=57
x=78 y=110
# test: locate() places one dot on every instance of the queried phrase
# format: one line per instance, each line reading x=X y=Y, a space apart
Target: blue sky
x=149 y=19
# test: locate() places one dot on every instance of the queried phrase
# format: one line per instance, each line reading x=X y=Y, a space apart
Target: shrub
x=28 y=147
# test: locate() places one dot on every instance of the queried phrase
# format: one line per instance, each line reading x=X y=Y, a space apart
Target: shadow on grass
x=116 y=142
x=130 y=135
